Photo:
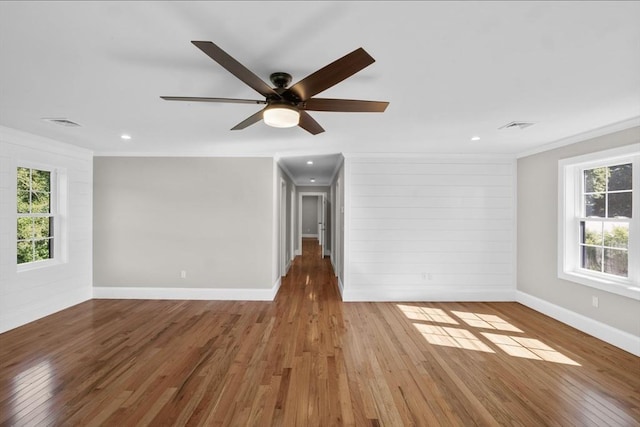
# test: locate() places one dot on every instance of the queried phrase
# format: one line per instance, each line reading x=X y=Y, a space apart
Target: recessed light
x=475 y=138
x=312 y=180
x=309 y=162
x=125 y=136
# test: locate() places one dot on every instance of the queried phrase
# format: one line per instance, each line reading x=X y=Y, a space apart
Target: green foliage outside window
x=35 y=222
x=607 y=196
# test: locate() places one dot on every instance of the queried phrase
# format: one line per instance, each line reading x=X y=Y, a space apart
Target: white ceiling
x=450 y=70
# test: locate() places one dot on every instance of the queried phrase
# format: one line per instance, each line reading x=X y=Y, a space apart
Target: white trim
x=386 y=156
x=161 y=293
x=298 y=252
x=315 y=236
x=594 y=133
x=346 y=229
x=606 y=333
x=203 y=153
x=341 y=289
x=443 y=294
x=336 y=169
x=569 y=207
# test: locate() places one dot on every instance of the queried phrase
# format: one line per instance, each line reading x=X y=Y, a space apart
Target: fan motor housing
x=280 y=79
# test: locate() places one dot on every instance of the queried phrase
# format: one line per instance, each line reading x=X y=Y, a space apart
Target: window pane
x=616 y=234
x=592 y=258
x=23 y=201
x=595 y=180
x=25 y=228
x=40 y=202
x=620 y=177
x=43 y=249
x=40 y=180
x=25 y=252
x=616 y=262
x=620 y=205
x=24 y=179
x=41 y=227
x=594 y=205
x=591 y=233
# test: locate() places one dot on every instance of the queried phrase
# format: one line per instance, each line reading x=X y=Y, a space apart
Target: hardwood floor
x=307 y=359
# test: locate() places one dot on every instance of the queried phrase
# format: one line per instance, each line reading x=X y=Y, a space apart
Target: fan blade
x=344 y=105
x=332 y=74
x=200 y=99
x=235 y=68
x=309 y=124
x=254 y=118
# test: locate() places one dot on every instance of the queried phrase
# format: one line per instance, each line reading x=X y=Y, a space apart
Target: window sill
x=629 y=290
x=37 y=265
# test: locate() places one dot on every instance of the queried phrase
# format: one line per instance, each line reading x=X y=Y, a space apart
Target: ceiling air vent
x=62 y=122
x=517 y=125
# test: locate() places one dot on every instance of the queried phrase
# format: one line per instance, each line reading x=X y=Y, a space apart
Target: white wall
x=214 y=218
x=538 y=282
x=429 y=228
x=30 y=295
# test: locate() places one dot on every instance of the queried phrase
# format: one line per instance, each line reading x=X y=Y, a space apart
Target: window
x=35 y=225
x=599 y=228
x=604 y=227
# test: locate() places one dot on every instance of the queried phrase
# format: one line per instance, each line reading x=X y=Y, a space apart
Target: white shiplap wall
x=29 y=295
x=430 y=229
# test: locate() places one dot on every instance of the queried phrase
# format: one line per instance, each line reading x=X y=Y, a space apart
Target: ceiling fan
x=287 y=106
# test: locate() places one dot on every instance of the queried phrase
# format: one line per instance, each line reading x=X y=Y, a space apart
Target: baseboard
x=298 y=252
x=141 y=292
x=427 y=294
x=47 y=307
x=604 y=332
x=341 y=288
x=315 y=236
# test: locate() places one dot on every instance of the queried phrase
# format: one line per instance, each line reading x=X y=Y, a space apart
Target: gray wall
x=537 y=246
x=309 y=215
x=212 y=217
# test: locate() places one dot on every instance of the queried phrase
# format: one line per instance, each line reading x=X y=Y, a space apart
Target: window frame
x=54 y=213
x=570 y=214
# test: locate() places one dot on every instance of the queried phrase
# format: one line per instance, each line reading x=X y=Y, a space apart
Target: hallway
x=308 y=359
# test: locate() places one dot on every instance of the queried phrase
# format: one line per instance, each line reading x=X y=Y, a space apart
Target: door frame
x=284 y=261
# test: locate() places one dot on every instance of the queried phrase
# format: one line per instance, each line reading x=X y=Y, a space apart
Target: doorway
x=312 y=219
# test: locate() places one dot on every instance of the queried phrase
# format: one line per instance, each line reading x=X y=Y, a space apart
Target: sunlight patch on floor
x=528 y=348
x=428 y=321
x=427 y=314
x=486 y=321
x=452 y=337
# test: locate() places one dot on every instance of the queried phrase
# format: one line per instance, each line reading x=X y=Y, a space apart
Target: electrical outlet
x=595 y=302
x=183 y=274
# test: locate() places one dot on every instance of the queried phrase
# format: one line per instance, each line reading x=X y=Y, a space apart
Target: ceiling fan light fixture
x=280 y=115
